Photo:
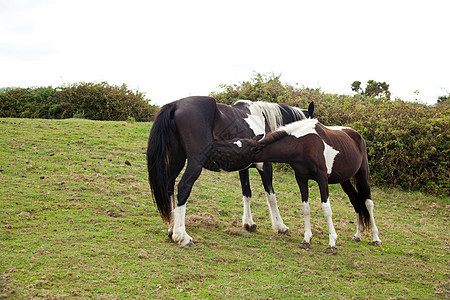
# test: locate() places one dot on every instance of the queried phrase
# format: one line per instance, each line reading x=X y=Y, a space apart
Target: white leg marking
x=370 y=205
x=179 y=229
x=307 y=216
x=359 y=229
x=277 y=222
x=247 y=219
x=326 y=209
x=172 y=205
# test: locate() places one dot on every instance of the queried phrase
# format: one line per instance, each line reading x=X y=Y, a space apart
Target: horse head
x=235 y=154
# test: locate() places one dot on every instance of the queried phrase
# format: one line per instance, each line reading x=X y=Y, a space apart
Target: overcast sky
x=171 y=49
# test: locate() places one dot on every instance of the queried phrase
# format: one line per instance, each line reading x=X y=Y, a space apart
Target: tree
x=444 y=99
x=373 y=89
x=356 y=86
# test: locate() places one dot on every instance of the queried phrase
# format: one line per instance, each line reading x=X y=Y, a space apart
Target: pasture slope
x=77 y=222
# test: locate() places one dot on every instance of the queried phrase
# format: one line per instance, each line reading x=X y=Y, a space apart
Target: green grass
x=77 y=222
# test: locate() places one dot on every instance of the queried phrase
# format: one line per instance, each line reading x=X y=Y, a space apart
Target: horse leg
x=193 y=124
x=352 y=194
x=192 y=172
x=172 y=207
x=176 y=167
x=326 y=209
x=303 y=185
x=362 y=178
x=376 y=240
x=247 y=220
x=277 y=222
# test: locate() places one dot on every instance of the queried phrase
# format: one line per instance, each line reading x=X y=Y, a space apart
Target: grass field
x=77 y=222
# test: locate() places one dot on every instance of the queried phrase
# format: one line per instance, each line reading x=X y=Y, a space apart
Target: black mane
x=291 y=114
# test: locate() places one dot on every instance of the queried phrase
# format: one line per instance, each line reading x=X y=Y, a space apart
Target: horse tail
x=362 y=183
x=158 y=159
x=360 y=204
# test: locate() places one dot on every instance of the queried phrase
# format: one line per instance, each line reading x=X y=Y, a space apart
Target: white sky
x=171 y=49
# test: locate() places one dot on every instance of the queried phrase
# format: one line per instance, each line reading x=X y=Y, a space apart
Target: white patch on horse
x=173 y=204
x=369 y=204
x=255 y=119
x=179 y=228
x=247 y=216
x=307 y=217
x=277 y=222
x=326 y=209
x=337 y=127
x=359 y=229
x=260 y=166
x=301 y=128
x=238 y=143
x=329 y=153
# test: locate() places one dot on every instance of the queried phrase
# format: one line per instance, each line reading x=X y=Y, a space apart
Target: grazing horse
x=186 y=130
x=325 y=154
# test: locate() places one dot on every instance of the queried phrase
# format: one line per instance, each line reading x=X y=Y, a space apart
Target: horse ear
x=311 y=110
x=257 y=137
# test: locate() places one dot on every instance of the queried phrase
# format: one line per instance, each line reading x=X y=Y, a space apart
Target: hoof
x=376 y=243
x=182 y=240
x=250 y=228
x=285 y=232
x=356 y=239
x=331 y=250
x=190 y=244
x=305 y=245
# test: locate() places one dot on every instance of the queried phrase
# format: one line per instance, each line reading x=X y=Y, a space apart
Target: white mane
x=272 y=112
x=300 y=128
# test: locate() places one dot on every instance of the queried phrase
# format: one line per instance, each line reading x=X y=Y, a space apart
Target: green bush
x=41 y=104
x=104 y=102
x=267 y=88
x=95 y=101
x=408 y=143
x=22 y=102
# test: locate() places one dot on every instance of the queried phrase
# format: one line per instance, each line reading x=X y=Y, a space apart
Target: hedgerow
x=408 y=143
x=95 y=101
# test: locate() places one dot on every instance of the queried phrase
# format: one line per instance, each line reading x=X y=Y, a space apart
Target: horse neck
x=272 y=137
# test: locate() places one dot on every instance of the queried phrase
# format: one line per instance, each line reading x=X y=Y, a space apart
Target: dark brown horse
x=325 y=154
x=185 y=130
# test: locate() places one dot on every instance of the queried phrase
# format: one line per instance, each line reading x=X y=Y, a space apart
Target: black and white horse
x=185 y=130
x=325 y=154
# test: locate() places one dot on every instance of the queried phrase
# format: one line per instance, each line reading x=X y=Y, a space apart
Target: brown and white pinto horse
x=325 y=154
x=185 y=130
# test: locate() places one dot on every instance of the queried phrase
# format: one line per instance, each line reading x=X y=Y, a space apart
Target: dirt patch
x=235 y=231
x=112 y=214
x=206 y=220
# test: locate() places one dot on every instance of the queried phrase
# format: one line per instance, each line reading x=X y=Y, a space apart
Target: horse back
x=351 y=147
x=194 y=119
x=233 y=121
x=344 y=139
